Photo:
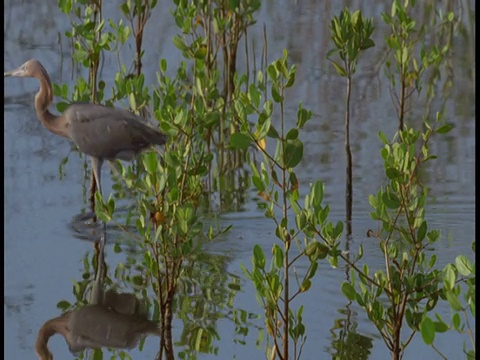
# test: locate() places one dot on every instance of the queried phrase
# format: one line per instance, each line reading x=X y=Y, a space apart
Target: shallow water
x=44 y=253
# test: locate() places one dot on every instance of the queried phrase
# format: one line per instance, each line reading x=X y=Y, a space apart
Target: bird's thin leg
x=97 y=169
x=97 y=172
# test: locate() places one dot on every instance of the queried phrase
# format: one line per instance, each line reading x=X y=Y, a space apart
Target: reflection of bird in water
x=104 y=133
x=111 y=319
x=113 y=323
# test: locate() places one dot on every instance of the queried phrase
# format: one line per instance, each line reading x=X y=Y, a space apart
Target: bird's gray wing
x=109 y=133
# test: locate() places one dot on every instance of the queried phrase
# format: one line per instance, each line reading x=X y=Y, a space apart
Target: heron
x=99 y=131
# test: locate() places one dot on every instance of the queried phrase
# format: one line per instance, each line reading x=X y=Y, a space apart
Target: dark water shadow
x=86 y=227
x=346 y=341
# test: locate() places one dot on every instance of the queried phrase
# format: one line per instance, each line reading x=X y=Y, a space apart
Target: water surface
x=43 y=254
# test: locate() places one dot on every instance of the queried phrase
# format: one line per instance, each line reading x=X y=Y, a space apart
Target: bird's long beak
x=17 y=72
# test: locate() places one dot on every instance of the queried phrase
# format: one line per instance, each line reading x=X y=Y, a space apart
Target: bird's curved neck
x=51 y=327
x=43 y=99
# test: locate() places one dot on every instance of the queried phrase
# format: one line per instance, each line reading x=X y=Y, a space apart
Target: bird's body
x=103 y=133
x=109 y=133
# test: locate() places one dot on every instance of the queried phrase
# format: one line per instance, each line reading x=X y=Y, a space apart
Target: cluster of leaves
x=409 y=286
x=211 y=33
x=458 y=281
x=351 y=34
x=409 y=58
x=311 y=236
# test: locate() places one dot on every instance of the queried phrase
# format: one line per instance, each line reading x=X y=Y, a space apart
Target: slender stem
x=348 y=184
x=286 y=291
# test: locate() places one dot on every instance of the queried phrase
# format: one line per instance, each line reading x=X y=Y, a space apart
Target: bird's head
x=29 y=69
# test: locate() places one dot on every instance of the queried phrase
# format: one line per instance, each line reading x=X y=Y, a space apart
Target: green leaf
x=433 y=260
x=340 y=70
x=445 y=129
x=291 y=79
x=258 y=183
x=322 y=251
x=272 y=132
x=179 y=43
x=63 y=305
x=276 y=94
x=311 y=248
x=312 y=270
x=317 y=193
x=278 y=256
x=302 y=117
x=97 y=354
x=240 y=141
x=62 y=106
x=117 y=248
x=132 y=101
x=348 y=291
x=201 y=52
x=234 y=287
x=254 y=94
x=368 y=44
x=300 y=220
x=422 y=231
x=99 y=210
x=456 y=321
x=293 y=153
x=332 y=52
x=453 y=301
x=464 y=266
x=433 y=235
x=449 y=277
x=440 y=326
x=272 y=72
x=292 y=134
x=427 y=329
x=383 y=138
x=306 y=284
x=337 y=231
x=393 y=173
x=391 y=200
x=65 y=6
x=163 y=65
x=150 y=162
x=258 y=257
x=431 y=303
